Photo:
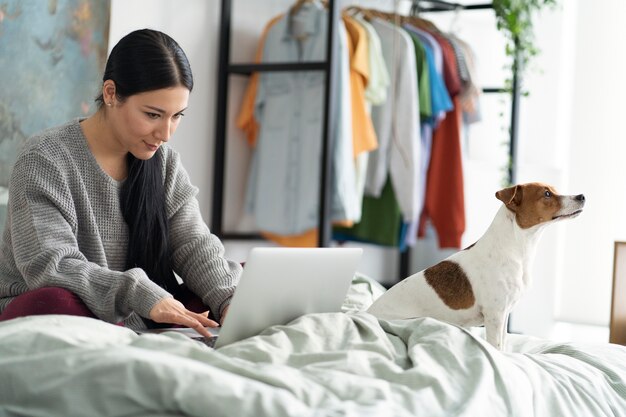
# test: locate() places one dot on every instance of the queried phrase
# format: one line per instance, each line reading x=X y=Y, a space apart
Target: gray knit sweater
x=65 y=229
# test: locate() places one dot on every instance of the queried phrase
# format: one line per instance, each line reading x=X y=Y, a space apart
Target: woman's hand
x=170 y=310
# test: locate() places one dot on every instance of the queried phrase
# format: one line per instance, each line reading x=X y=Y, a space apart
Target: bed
x=334 y=364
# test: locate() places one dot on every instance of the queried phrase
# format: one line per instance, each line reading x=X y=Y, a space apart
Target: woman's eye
x=152 y=115
x=547 y=194
x=178 y=115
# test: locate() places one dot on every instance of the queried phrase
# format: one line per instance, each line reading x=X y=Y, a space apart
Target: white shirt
x=397 y=124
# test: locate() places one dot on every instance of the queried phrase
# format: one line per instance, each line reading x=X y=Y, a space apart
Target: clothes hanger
x=416 y=20
x=381 y=15
x=358 y=11
x=298 y=5
x=438 y=3
x=455 y=19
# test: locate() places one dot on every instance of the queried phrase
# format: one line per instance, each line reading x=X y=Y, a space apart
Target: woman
x=102 y=213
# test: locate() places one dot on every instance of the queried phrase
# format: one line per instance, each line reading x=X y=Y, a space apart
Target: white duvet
x=336 y=364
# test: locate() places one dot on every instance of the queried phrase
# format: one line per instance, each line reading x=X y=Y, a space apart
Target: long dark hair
x=147 y=60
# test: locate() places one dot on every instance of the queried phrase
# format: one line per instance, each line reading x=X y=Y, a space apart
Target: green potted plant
x=514 y=18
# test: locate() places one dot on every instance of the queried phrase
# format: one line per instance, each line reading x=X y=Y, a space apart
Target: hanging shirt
x=440 y=98
x=378 y=85
x=245 y=119
x=470 y=96
x=459 y=54
x=444 y=203
x=423 y=79
x=310 y=238
x=440 y=103
x=450 y=66
x=397 y=124
x=283 y=184
x=381 y=223
x=362 y=127
x=363 y=134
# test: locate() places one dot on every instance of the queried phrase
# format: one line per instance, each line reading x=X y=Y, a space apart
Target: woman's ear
x=108 y=92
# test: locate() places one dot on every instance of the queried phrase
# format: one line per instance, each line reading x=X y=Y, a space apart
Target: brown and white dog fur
x=480 y=284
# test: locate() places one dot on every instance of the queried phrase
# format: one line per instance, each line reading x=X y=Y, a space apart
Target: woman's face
x=145 y=121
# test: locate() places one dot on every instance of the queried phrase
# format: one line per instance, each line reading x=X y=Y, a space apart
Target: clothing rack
x=226 y=69
x=445 y=6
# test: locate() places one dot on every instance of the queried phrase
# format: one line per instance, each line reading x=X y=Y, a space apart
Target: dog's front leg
x=495 y=328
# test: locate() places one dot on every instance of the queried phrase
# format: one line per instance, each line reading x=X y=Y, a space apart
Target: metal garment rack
x=226 y=69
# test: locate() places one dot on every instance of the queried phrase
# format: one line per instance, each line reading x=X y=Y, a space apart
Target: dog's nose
x=580 y=197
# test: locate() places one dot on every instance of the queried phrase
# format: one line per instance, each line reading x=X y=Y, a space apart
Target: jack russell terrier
x=480 y=284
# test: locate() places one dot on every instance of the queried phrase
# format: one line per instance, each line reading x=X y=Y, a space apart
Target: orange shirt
x=363 y=133
x=444 y=202
x=307 y=239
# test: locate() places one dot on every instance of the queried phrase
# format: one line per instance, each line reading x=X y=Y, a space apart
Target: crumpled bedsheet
x=333 y=364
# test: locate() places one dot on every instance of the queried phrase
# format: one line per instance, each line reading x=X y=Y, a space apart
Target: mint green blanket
x=336 y=364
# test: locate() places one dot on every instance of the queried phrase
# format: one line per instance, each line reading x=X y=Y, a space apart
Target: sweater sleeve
x=197 y=254
x=43 y=231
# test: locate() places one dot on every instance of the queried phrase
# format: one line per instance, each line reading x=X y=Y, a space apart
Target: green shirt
x=423 y=79
x=381 y=222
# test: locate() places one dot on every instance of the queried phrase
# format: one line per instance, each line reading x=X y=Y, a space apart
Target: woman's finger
x=170 y=310
x=202 y=330
x=192 y=323
x=206 y=322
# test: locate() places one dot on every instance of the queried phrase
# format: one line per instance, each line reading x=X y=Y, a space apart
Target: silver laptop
x=279 y=285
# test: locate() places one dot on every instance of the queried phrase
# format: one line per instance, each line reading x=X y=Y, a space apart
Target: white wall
x=571 y=134
x=596 y=162
x=545 y=118
x=569 y=137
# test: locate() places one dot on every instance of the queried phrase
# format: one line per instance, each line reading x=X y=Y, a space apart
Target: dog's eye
x=547 y=194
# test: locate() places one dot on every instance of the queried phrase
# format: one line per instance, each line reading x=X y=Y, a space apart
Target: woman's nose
x=164 y=131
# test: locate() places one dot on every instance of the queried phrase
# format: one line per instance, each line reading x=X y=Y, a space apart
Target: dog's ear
x=511 y=197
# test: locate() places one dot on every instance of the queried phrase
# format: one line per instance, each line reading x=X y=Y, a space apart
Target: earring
x=109 y=104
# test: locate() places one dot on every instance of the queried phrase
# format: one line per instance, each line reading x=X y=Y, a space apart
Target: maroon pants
x=56 y=300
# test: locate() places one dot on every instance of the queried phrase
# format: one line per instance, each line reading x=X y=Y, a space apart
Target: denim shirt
x=283 y=184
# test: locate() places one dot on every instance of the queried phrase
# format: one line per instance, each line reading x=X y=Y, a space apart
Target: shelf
x=247 y=69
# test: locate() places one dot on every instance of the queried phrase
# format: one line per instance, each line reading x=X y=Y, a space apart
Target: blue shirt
x=440 y=98
x=283 y=184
